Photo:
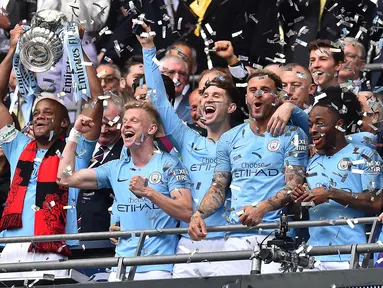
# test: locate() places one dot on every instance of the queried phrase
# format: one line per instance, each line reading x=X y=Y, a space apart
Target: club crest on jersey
x=155 y=178
x=273 y=145
x=343 y=164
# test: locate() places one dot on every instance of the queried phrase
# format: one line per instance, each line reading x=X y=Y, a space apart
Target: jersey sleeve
x=300 y=119
x=223 y=155
x=296 y=148
x=104 y=173
x=12 y=142
x=176 y=176
x=372 y=176
x=84 y=152
x=173 y=125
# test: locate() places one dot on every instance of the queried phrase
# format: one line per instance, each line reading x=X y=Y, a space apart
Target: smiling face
x=216 y=106
x=323 y=67
x=137 y=127
x=322 y=122
x=260 y=97
x=47 y=117
x=297 y=86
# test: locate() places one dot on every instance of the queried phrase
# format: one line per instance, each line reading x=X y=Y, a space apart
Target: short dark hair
x=337 y=100
x=134 y=60
x=291 y=66
x=264 y=72
x=168 y=82
x=224 y=71
x=324 y=43
x=231 y=91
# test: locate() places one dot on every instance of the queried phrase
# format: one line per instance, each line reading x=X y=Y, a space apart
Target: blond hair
x=147 y=107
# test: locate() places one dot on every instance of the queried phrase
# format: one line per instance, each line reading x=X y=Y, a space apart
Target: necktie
x=99 y=156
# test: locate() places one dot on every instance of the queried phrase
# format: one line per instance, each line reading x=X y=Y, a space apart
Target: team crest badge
x=273 y=145
x=155 y=178
x=343 y=164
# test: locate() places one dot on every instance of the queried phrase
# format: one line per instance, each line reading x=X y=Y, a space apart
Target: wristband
x=74 y=135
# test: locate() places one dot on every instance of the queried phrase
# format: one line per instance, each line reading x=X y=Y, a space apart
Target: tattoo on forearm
x=293 y=177
x=215 y=197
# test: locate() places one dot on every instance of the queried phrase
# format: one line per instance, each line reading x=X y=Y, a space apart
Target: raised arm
x=253 y=215
x=5 y=72
x=66 y=175
x=94 y=109
x=172 y=124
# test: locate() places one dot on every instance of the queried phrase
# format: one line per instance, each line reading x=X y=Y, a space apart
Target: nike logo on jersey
x=236 y=147
x=198 y=149
x=119 y=180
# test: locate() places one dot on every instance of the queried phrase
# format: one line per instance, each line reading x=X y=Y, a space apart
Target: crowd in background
x=201 y=113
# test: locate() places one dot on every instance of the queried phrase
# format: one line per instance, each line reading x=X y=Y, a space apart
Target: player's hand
x=225 y=50
x=279 y=119
x=380 y=218
x=146 y=42
x=15 y=35
x=197 y=227
x=139 y=186
x=83 y=124
x=251 y=216
x=114 y=227
x=317 y=195
x=299 y=192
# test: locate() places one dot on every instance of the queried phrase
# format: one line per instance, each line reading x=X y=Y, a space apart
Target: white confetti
x=349 y=222
x=357 y=171
x=239 y=213
x=233 y=35
x=235 y=187
x=53 y=203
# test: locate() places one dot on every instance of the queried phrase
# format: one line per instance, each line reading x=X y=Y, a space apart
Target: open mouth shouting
x=209 y=112
x=129 y=136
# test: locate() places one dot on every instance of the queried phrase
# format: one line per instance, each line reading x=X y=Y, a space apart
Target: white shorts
x=325 y=266
x=18 y=252
x=144 y=276
x=207 y=269
x=243 y=267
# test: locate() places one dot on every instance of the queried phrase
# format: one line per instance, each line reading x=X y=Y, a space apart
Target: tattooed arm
x=212 y=200
x=252 y=216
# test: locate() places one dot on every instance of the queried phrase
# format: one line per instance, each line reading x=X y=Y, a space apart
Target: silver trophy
x=41 y=47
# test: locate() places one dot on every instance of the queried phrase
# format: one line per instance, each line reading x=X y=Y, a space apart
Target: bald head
x=275 y=68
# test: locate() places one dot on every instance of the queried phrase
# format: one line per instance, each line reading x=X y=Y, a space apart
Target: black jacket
x=308 y=15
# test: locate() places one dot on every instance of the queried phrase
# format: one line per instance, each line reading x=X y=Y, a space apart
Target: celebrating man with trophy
x=36 y=204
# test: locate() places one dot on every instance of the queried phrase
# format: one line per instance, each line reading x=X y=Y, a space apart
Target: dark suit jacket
x=19 y=10
x=328 y=24
x=92 y=206
x=225 y=18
